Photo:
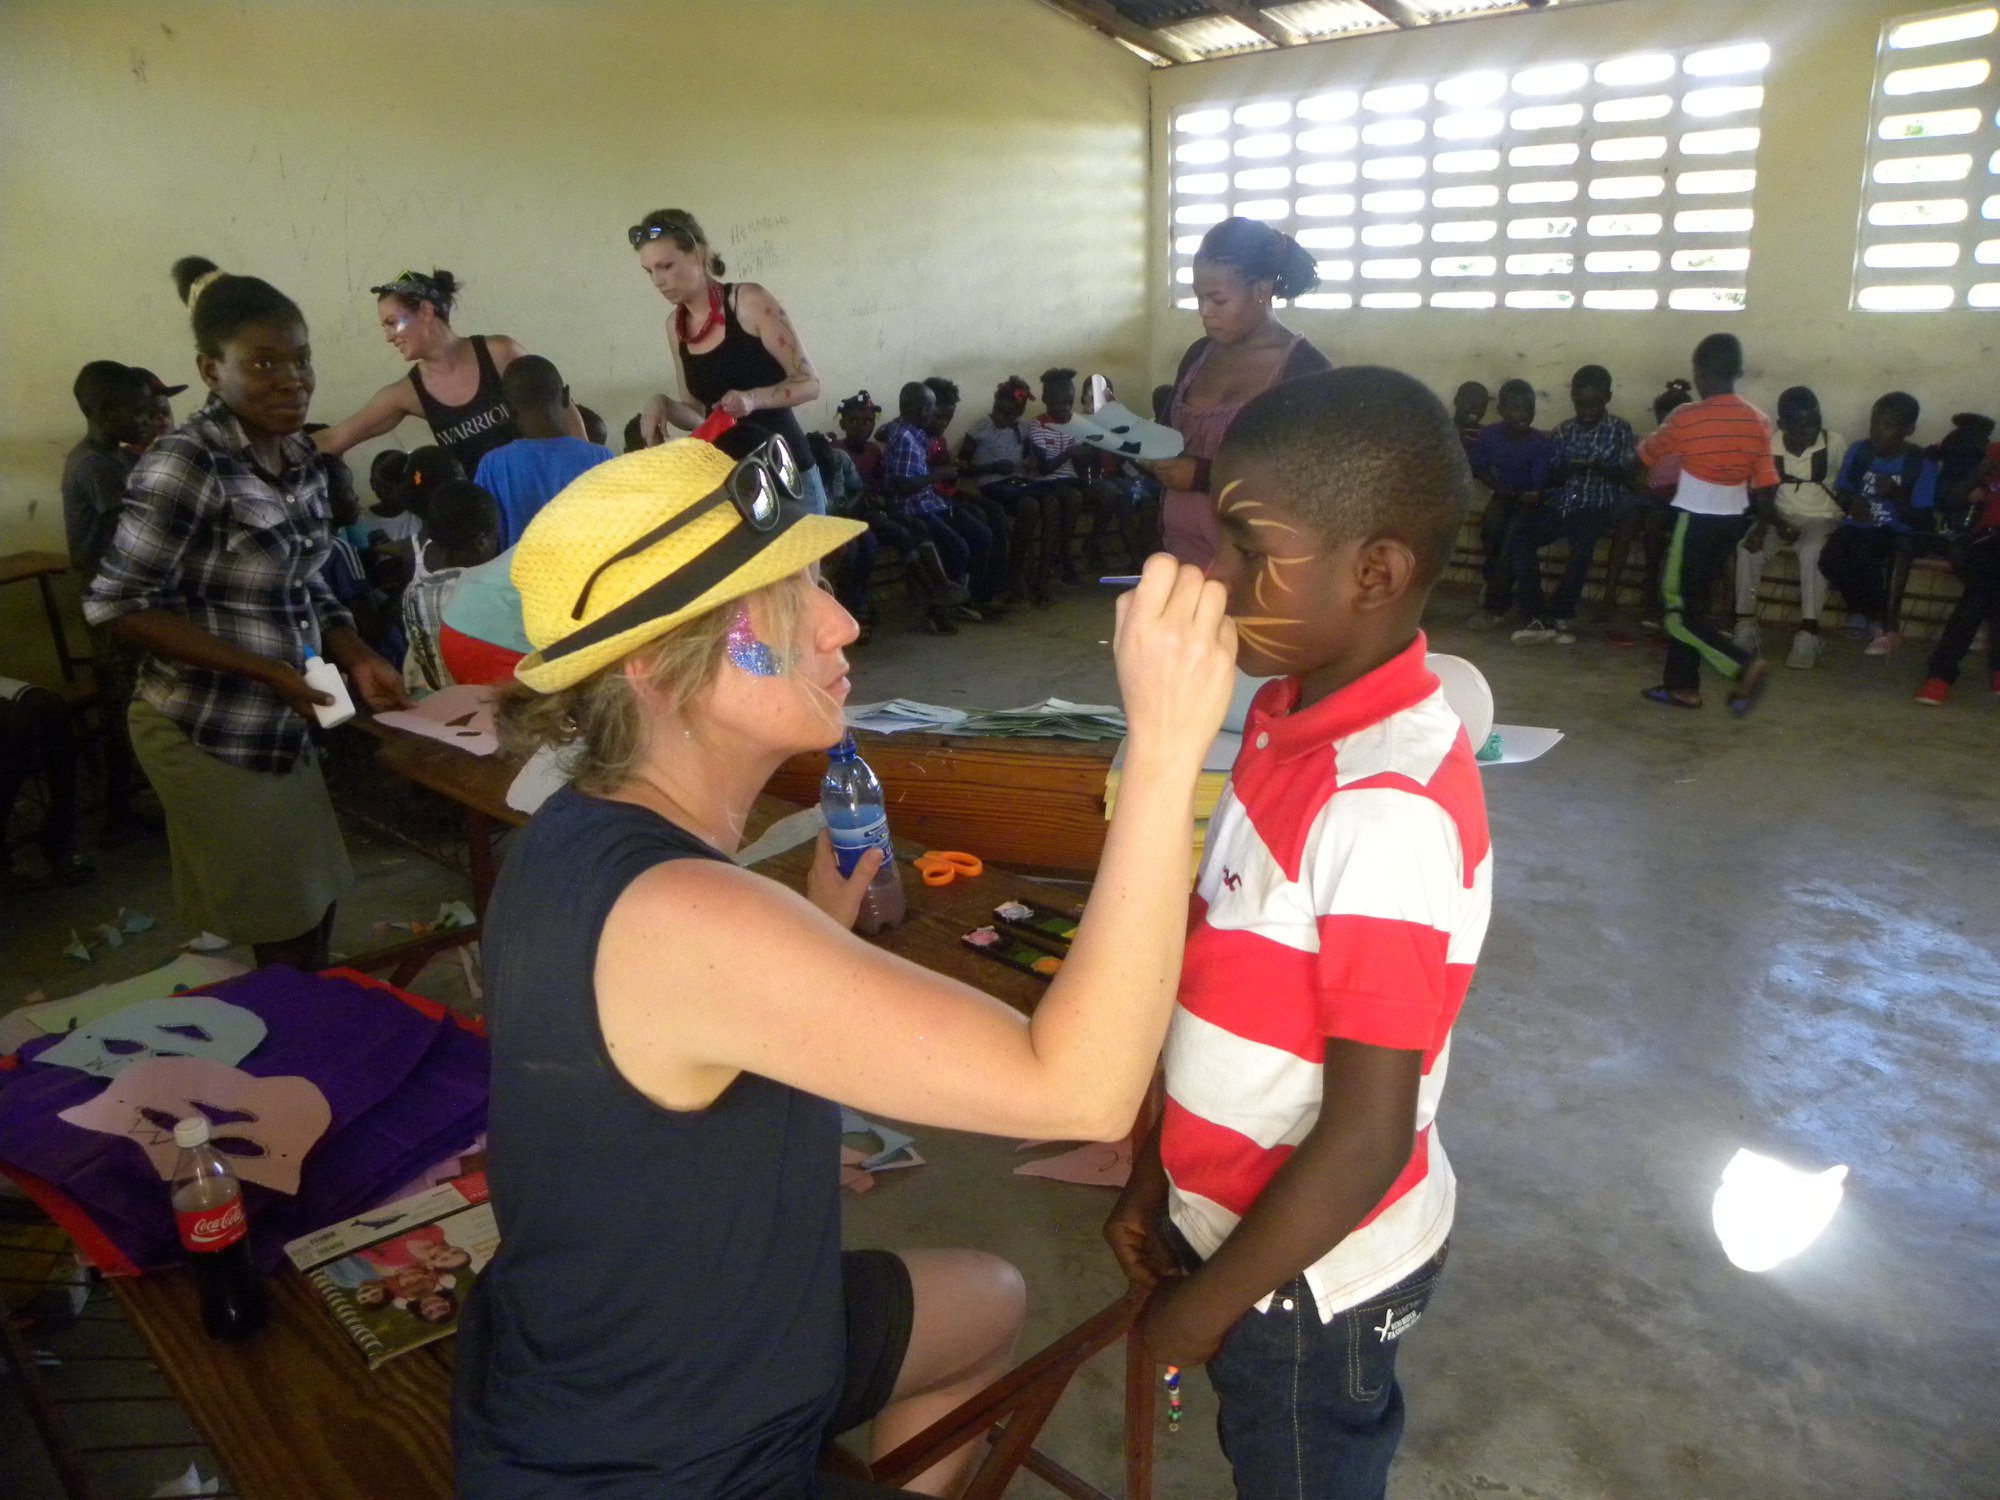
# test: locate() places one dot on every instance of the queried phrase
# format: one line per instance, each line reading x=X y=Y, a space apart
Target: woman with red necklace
x=735 y=348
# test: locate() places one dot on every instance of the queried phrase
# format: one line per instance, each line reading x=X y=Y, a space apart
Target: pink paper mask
x=264 y=1126
x=182 y=1026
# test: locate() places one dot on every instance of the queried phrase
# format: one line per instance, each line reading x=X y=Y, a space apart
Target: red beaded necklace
x=709 y=324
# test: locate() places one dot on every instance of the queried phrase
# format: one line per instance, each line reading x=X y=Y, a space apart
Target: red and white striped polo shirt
x=1344 y=893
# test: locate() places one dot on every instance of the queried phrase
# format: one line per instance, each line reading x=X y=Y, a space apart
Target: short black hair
x=1591 y=375
x=460 y=513
x=1468 y=387
x=532 y=383
x=104 y=383
x=1058 y=376
x=219 y=304
x=1796 y=401
x=634 y=440
x=946 y=391
x=1362 y=452
x=593 y=427
x=1720 y=354
x=1901 y=405
x=1677 y=393
x=915 y=393
x=1517 y=387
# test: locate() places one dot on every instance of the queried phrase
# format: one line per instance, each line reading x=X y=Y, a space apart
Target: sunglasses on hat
x=762 y=482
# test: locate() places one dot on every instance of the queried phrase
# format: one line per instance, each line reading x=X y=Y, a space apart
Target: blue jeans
x=1312 y=1410
x=1538 y=528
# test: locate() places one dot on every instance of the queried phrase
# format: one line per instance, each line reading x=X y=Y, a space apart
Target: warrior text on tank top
x=665 y=1314
x=471 y=431
x=742 y=363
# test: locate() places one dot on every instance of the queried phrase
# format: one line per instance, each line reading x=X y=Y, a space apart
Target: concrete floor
x=1707 y=935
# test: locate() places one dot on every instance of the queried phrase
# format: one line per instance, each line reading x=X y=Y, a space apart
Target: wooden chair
x=1012 y=1411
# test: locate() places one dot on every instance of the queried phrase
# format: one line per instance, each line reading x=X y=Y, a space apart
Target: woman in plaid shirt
x=214 y=574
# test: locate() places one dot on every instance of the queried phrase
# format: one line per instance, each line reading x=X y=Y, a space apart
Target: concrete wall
x=1797 y=326
x=955 y=188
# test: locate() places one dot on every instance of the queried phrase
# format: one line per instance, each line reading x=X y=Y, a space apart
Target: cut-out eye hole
x=123 y=1046
x=460 y=722
x=218 y=1115
x=191 y=1031
x=159 y=1119
x=237 y=1145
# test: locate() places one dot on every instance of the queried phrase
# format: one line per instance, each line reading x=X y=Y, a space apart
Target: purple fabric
x=404 y=1089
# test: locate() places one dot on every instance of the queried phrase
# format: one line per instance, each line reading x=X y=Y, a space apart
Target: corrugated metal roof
x=1323 y=18
x=1217 y=36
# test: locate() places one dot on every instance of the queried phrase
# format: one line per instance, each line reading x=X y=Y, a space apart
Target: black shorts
x=880 y=1307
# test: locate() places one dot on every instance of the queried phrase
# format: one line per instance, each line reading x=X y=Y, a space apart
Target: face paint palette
x=1047 y=927
x=1005 y=948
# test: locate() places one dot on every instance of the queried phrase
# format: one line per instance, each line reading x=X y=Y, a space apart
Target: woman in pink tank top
x=1242 y=264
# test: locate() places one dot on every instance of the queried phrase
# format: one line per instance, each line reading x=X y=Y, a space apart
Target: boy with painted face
x=1296 y=1178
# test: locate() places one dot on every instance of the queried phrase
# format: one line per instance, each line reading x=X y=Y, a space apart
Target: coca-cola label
x=212 y=1228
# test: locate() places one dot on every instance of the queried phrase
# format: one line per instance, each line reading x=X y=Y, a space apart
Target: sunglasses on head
x=641 y=234
x=759 y=486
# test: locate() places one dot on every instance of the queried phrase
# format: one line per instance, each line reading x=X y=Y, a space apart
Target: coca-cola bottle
x=208 y=1204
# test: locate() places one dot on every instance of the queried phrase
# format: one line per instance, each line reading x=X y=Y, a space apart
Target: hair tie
x=201 y=284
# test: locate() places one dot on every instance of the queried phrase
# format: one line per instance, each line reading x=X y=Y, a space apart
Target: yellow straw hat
x=611 y=564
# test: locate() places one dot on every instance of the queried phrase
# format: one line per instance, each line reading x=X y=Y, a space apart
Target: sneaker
x=1857 y=628
x=1563 y=632
x=1883 y=643
x=1534 y=633
x=1482 y=619
x=1749 y=636
x=1806 y=647
x=1934 y=692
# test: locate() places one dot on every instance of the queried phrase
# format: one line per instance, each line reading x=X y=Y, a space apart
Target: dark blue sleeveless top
x=664 y=1316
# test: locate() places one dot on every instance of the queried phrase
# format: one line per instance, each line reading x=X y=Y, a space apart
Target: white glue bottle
x=325 y=677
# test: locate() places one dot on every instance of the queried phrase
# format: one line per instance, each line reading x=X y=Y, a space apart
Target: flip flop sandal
x=1666 y=697
x=1754 y=682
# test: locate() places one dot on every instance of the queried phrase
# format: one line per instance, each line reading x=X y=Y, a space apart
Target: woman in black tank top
x=454 y=381
x=735 y=347
x=670 y=1313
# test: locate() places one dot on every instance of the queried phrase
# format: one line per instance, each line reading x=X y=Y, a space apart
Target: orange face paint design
x=1266 y=632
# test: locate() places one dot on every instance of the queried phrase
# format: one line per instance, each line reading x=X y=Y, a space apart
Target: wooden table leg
x=63 y=659
x=479 y=854
x=1141 y=1406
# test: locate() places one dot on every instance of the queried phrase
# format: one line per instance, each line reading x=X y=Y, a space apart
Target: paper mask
x=183 y=1026
x=264 y=1126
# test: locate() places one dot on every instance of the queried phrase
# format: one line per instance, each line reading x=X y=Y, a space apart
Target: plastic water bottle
x=208 y=1207
x=858 y=820
x=325 y=676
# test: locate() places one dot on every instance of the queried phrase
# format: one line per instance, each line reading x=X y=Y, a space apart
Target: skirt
x=258 y=856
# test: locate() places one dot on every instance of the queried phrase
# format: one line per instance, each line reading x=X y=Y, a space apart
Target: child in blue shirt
x=1889 y=490
x=529 y=472
x=1512 y=460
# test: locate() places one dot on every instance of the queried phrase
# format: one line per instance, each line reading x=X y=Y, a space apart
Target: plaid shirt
x=1611 y=444
x=906 y=456
x=207 y=535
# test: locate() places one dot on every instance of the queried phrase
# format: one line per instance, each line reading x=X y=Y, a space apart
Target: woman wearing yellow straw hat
x=670 y=1312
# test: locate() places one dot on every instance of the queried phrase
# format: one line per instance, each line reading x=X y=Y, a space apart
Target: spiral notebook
x=396 y=1277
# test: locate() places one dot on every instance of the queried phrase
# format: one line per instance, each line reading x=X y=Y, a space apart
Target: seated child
x=1468 y=414
x=634 y=438
x=594 y=430
x=1724 y=445
x=996 y=456
x=529 y=472
x=1977 y=564
x=1808 y=461
x=462 y=525
x=851 y=567
x=907 y=481
x=1054 y=460
x=36 y=733
x=1888 y=489
x=1595 y=456
x=904 y=538
x=480 y=635
x=978 y=519
x=1512 y=460
x=1297 y=1175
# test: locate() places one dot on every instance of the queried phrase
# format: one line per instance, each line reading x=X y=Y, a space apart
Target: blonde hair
x=602 y=722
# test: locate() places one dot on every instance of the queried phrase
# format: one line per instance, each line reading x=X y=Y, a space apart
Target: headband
x=201 y=284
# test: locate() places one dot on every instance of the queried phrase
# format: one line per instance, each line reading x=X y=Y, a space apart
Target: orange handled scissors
x=943 y=866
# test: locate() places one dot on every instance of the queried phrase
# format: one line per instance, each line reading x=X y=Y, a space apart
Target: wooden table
x=42 y=568
x=295 y=1413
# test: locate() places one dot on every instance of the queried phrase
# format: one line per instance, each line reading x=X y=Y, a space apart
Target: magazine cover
x=397 y=1276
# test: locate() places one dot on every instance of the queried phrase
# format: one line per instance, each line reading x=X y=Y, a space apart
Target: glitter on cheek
x=746 y=652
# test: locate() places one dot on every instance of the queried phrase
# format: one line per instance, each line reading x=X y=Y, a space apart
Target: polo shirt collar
x=1399 y=683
